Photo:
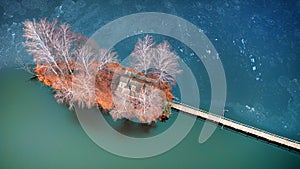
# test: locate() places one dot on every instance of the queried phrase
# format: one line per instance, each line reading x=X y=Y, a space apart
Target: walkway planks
x=238 y=126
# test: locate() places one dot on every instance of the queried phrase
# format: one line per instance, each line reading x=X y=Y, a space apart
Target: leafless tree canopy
x=146 y=106
x=70 y=67
x=56 y=49
x=155 y=59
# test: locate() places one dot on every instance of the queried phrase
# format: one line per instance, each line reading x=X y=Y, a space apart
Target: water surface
x=36 y=132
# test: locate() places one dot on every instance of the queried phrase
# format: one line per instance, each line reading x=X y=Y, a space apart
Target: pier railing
x=237 y=125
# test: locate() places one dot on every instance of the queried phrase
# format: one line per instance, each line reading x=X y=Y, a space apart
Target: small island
x=86 y=75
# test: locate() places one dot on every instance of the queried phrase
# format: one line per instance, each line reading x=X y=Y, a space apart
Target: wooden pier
x=291 y=144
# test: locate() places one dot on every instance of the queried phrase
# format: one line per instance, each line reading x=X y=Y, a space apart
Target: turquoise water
x=36 y=132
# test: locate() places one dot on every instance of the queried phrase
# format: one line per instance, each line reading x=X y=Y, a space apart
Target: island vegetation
x=85 y=76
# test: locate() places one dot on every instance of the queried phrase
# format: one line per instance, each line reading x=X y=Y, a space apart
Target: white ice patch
x=208 y=51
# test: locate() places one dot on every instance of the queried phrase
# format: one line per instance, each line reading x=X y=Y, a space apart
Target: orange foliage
x=103 y=82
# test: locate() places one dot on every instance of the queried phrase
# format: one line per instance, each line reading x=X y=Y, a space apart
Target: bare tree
x=62 y=56
x=165 y=62
x=50 y=44
x=151 y=103
x=146 y=106
x=142 y=54
x=105 y=57
x=157 y=60
x=69 y=65
x=122 y=107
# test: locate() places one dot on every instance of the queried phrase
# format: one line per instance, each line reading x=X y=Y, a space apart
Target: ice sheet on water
x=283 y=81
x=255 y=113
x=80 y=14
x=11 y=44
x=286 y=121
x=168 y=4
x=294 y=102
x=116 y=2
x=293 y=87
x=12 y=8
x=35 y=4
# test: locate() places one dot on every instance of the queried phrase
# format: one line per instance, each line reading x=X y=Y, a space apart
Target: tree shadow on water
x=134 y=129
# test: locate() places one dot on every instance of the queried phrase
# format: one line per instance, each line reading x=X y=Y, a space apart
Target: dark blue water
x=258 y=43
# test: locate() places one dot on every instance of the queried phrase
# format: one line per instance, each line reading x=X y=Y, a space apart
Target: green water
x=36 y=132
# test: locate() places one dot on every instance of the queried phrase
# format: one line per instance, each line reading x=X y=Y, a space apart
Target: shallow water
x=36 y=132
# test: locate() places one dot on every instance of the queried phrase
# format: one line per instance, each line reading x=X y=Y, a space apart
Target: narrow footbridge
x=279 y=140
